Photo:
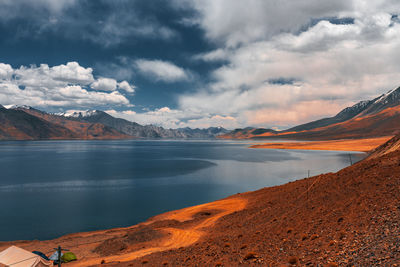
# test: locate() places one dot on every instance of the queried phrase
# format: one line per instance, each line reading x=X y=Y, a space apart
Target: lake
x=51 y=188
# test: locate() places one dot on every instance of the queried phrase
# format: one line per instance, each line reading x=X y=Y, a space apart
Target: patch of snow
x=17 y=106
x=361 y=104
x=356 y=107
x=383 y=98
x=78 y=113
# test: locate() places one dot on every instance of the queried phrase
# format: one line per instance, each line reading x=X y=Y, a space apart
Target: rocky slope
x=124 y=126
x=386 y=148
x=19 y=125
x=337 y=219
x=210 y=132
x=144 y=131
x=27 y=123
x=344 y=115
x=383 y=123
x=361 y=109
x=388 y=100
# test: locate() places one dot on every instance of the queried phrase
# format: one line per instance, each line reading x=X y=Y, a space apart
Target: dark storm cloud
x=283 y=80
x=104 y=22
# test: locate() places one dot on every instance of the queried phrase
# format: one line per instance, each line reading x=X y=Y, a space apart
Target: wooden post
x=59 y=256
x=308 y=177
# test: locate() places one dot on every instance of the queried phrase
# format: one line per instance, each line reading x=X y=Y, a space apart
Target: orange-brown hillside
x=19 y=125
x=384 y=123
x=367 y=119
x=83 y=130
x=388 y=147
x=342 y=219
x=31 y=124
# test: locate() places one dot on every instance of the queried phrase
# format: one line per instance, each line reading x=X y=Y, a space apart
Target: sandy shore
x=167 y=231
x=363 y=145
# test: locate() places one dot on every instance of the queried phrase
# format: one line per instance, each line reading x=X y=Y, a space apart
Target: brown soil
x=337 y=219
x=363 y=145
x=388 y=147
x=345 y=218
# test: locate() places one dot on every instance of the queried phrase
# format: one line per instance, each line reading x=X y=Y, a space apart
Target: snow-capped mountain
x=362 y=108
x=141 y=131
x=367 y=118
x=17 y=124
x=355 y=109
x=109 y=127
x=17 y=107
x=388 y=100
x=78 y=113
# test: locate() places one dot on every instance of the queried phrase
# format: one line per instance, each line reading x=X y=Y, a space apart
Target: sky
x=199 y=63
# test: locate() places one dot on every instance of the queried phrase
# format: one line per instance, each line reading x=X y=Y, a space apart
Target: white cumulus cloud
x=5 y=71
x=104 y=84
x=124 y=85
x=176 y=118
x=72 y=72
x=65 y=85
x=161 y=70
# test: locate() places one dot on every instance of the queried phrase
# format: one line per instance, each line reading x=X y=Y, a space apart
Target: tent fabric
x=68 y=256
x=18 y=257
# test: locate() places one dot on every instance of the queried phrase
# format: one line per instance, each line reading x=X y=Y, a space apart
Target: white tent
x=18 y=257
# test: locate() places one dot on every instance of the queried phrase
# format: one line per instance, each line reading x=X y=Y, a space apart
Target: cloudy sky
x=199 y=63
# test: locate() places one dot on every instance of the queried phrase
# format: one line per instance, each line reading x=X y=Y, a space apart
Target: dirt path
x=176 y=237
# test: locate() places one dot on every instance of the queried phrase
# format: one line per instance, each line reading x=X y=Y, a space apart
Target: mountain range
x=370 y=118
x=27 y=123
x=143 y=131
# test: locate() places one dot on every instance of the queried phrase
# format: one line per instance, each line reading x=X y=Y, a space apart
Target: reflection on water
x=89 y=185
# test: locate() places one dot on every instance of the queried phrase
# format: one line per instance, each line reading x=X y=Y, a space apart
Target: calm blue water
x=51 y=188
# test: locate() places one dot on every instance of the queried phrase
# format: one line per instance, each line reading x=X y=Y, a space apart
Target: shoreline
x=298 y=216
x=354 y=145
x=324 y=219
x=166 y=231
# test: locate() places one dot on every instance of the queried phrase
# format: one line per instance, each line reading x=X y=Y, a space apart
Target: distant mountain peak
x=356 y=114
x=387 y=100
x=79 y=113
x=367 y=107
x=393 y=94
x=18 y=107
x=355 y=109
